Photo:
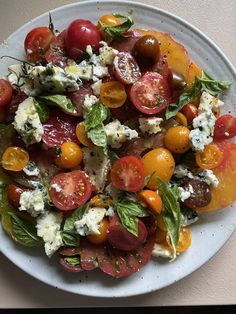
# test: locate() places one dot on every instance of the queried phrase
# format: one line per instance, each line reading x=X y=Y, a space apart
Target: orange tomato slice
x=152 y=199
x=210 y=158
x=185 y=240
x=113 y=94
x=82 y=135
x=15 y=158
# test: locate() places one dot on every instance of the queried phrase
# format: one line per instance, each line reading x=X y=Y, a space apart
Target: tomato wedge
x=225 y=127
x=151 y=94
x=210 y=158
x=127 y=174
x=5 y=92
x=113 y=94
x=70 y=190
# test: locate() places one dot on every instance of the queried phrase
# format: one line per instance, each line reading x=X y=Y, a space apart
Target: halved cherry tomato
x=100 y=200
x=151 y=94
x=37 y=43
x=113 y=94
x=5 y=92
x=15 y=158
x=71 y=155
x=152 y=199
x=127 y=174
x=13 y=194
x=185 y=240
x=190 y=111
x=210 y=158
x=180 y=117
x=126 y=69
x=102 y=236
x=225 y=127
x=70 y=190
x=177 y=139
x=82 y=135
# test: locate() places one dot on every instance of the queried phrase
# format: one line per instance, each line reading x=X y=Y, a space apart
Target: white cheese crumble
x=209 y=177
x=106 y=53
x=32 y=202
x=56 y=187
x=96 y=87
x=96 y=166
x=117 y=133
x=150 y=125
x=160 y=250
x=48 y=227
x=89 y=101
x=110 y=212
x=27 y=122
x=17 y=77
x=181 y=171
x=31 y=169
x=90 y=222
x=185 y=193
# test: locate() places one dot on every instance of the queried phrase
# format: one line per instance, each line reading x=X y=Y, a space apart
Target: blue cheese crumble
x=18 y=77
x=150 y=125
x=32 y=202
x=31 y=169
x=184 y=194
x=89 y=101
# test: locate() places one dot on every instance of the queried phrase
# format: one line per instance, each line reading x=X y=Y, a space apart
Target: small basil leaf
x=69 y=225
x=70 y=239
x=98 y=136
x=96 y=116
x=43 y=110
x=73 y=261
x=62 y=102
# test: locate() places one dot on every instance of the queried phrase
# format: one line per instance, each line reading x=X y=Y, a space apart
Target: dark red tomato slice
x=151 y=94
x=56 y=54
x=190 y=111
x=126 y=69
x=125 y=112
x=134 y=147
x=81 y=33
x=127 y=44
x=37 y=43
x=17 y=98
x=225 y=127
x=127 y=174
x=201 y=195
x=77 y=98
x=5 y=92
x=122 y=239
x=162 y=68
x=58 y=129
x=73 y=190
x=13 y=194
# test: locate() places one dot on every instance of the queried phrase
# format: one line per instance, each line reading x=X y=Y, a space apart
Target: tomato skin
x=37 y=43
x=210 y=158
x=81 y=33
x=56 y=54
x=225 y=127
x=6 y=92
x=13 y=194
x=190 y=111
x=15 y=158
x=71 y=155
x=103 y=236
x=148 y=91
x=127 y=174
x=152 y=199
x=74 y=189
x=113 y=94
x=82 y=135
x=177 y=139
x=109 y=20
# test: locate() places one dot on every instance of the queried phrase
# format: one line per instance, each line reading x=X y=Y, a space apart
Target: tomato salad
x=112 y=142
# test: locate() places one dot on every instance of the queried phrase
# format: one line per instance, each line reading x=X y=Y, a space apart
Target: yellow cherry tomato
x=108 y=20
x=185 y=240
x=181 y=119
x=209 y=158
x=71 y=155
x=99 y=201
x=15 y=158
x=160 y=223
x=177 y=139
x=159 y=162
x=82 y=135
x=113 y=94
x=102 y=236
x=161 y=236
x=152 y=199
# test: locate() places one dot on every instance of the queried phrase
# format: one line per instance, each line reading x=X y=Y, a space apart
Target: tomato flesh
x=127 y=174
x=5 y=92
x=73 y=189
x=225 y=127
x=151 y=94
x=56 y=53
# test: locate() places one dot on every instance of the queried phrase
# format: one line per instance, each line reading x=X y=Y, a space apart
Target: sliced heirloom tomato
x=56 y=53
x=37 y=43
x=127 y=174
x=225 y=127
x=151 y=93
x=113 y=94
x=5 y=92
x=70 y=190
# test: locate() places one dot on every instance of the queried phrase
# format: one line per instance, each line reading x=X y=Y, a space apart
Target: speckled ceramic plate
x=212 y=231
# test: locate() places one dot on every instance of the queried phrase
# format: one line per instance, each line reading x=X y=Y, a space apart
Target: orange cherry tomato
x=15 y=158
x=210 y=158
x=82 y=135
x=99 y=201
x=190 y=111
x=102 y=237
x=161 y=236
x=113 y=94
x=108 y=20
x=152 y=199
x=185 y=240
x=181 y=119
x=160 y=223
x=177 y=139
x=71 y=155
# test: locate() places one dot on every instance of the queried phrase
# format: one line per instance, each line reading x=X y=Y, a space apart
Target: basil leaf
x=42 y=110
x=96 y=116
x=62 y=102
x=70 y=239
x=74 y=261
x=128 y=212
x=148 y=178
x=98 y=136
x=69 y=225
x=118 y=31
x=24 y=231
x=204 y=84
x=112 y=155
x=171 y=213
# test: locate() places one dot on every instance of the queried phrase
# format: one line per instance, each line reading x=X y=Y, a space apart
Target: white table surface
x=215 y=282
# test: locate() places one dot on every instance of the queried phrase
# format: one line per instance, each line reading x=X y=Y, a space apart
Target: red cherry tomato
x=190 y=111
x=70 y=190
x=37 y=43
x=151 y=94
x=56 y=54
x=225 y=127
x=127 y=174
x=79 y=34
x=13 y=194
x=5 y=92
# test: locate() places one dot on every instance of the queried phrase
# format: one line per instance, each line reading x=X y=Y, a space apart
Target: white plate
x=212 y=231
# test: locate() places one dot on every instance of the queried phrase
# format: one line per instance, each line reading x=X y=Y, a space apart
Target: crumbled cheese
x=96 y=87
x=110 y=212
x=160 y=250
x=185 y=193
x=90 y=222
x=32 y=202
x=89 y=50
x=181 y=171
x=99 y=71
x=18 y=77
x=96 y=166
x=89 y=101
x=117 y=133
x=150 y=125
x=209 y=102
x=27 y=122
x=48 y=227
x=209 y=177
x=107 y=54
x=56 y=187
x=31 y=169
